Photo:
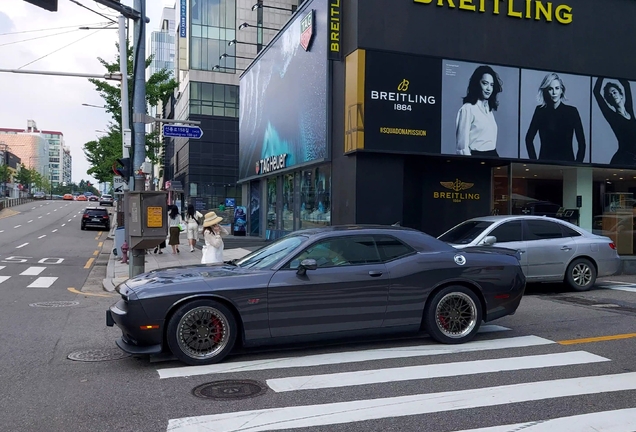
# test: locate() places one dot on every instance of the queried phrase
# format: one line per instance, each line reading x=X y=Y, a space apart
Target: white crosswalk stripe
x=4 y=278
x=324 y=414
x=33 y=271
x=42 y=282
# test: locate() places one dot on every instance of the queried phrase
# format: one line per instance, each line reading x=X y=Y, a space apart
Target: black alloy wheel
x=453 y=315
x=202 y=332
x=581 y=274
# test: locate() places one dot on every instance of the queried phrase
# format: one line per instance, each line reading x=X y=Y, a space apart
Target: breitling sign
x=456 y=191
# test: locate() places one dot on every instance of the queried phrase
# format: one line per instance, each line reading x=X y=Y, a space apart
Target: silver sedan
x=552 y=250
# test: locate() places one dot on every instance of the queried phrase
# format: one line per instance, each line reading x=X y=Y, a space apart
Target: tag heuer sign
x=307 y=30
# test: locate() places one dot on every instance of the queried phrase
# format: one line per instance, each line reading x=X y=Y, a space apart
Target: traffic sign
x=182 y=131
x=118 y=185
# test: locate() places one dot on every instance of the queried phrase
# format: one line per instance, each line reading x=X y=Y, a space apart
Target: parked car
x=106 y=199
x=67 y=197
x=322 y=283
x=95 y=217
x=551 y=250
x=39 y=195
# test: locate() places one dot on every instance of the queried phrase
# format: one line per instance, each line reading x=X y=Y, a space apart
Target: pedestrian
x=174 y=220
x=192 y=226
x=213 y=249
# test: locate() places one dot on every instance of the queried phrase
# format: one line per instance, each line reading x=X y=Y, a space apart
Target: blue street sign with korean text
x=182 y=131
x=184 y=23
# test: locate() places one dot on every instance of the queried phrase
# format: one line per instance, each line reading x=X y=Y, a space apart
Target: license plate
x=95 y=219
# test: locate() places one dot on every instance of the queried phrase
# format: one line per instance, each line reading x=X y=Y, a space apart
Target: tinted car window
x=569 y=232
x=271 y=254
x=465 y=232
x=96 y=212
x=541 y=230
x=391 y=248
x=340 y=251
x=508 y=232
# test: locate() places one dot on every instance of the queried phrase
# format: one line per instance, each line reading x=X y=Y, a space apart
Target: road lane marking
x=89 y=263
x=17 y=226
x=4 y=278
x=39 y=217
x=32 y=271
x=42 y=236
x=55 y=210
x=33 y=208
x=54 y=230
x=42 y=282
x=403 y=406
x=48 y=213
x=69 y=220
x=1 y=267
x=100 y=244
x=95 y=253
x=30 y=221
x=606 y=421
x=75 y=216
x=354 y=356
x=597 y=339
x=1 y=231
x=97 y=238
x=21 y=246
x=63 y=224
x=442 y=370
x=74 y=291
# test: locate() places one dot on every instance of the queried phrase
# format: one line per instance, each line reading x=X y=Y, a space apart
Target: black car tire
x=186 y=327
x=581 y=274
x=443 y=318
x=83 y=227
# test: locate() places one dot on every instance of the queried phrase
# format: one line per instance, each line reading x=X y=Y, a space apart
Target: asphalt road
x=542 y=363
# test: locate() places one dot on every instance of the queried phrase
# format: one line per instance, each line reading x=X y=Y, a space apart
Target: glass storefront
x=315 y=197
x=543 y=190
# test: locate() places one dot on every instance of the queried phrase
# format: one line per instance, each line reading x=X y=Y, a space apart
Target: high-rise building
x=67 y=165
x=215 y=41
x=56 y=142
x=31 y=146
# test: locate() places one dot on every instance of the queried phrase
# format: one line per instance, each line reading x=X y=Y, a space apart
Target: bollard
x=124 y=252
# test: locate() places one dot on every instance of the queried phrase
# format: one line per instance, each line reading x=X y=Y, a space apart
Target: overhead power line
x=39 y=37
x=59 y=49
x=54 y=28
x=94 y=11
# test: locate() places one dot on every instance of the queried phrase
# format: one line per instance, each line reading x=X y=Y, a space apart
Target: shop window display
x=271 y=203
x=315 y=197
x=288 y=202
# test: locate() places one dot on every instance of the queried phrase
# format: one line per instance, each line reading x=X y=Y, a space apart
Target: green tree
x=5 y=174
x=101 y=153
x=24 y=177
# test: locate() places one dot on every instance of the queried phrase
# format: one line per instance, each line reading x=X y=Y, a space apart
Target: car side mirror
x=489 y=240
x=306 y=264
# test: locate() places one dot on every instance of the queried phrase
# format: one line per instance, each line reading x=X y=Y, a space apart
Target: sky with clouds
x=55 y=103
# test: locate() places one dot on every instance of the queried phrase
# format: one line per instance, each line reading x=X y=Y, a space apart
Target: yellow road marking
x=597 y=339
x=96 y=253
x=97 y=238
x=74 y=291
x=89 y=263
x=100 y=244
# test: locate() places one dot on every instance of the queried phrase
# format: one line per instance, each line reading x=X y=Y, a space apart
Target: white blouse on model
x=476 y=128
x=213 y=249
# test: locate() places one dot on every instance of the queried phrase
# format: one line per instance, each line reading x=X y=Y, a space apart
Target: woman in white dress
x=213 y=249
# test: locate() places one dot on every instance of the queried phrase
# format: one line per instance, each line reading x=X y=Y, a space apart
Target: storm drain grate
x=54 y=304
x=97 y=355
x=230 y=389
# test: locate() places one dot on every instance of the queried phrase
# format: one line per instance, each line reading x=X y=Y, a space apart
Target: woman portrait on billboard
x=556 y=123
x=616 y=104
x=476 y=128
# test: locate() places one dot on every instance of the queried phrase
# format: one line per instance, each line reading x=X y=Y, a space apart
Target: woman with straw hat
x=213 y=249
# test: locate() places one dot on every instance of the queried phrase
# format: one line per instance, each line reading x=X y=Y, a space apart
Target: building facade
x=463 y=109
x=56 y=148
x=215 y=41
x=67 y=165
x=8 y=187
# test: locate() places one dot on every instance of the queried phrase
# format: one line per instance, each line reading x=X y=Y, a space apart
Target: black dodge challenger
x=318 y=284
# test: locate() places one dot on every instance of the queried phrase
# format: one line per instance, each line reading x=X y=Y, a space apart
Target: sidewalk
x=116 y=272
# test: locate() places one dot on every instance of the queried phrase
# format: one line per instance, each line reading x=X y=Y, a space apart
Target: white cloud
x=55 y=103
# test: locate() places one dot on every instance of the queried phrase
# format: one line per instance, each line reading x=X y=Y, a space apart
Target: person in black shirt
x=617 y=108
x=557 y=123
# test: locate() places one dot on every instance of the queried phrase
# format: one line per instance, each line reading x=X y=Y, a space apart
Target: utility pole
x=137 y=262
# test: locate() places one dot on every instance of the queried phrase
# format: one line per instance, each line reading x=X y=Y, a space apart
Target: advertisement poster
x=240 y=220
x=255 y=209
x=555 y=117
x=613 y=122
x=480 y=110
x=402 y=103
x=280 y=126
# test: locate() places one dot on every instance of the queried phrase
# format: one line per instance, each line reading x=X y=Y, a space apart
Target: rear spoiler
x=495 y=249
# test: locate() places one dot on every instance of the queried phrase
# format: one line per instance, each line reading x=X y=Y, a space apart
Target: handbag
x=182 y=226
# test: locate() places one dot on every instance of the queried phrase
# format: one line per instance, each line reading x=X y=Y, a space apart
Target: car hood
x=201 y=277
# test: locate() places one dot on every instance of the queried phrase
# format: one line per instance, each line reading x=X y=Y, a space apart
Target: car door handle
x=566 y=248
x=522 y=252
x=375 y=273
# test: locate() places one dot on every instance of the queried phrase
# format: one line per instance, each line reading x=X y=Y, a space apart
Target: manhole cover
x=97 y=355
x=54 y=304
x=230 y=389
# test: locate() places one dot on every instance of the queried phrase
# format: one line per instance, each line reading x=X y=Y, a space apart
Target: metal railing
x=10 y=202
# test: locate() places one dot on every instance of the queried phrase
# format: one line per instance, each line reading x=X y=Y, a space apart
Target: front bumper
x=133 y=322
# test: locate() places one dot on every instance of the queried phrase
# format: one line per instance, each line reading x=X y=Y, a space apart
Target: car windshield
x=271 y=254
x=465 y=233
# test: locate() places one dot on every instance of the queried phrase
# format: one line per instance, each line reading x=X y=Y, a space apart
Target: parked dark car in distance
x=315 y=284
x=95 y=217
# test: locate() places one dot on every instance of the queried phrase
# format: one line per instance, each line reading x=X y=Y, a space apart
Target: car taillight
x=612 y=245
x=105 y=217
x=85 y=216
